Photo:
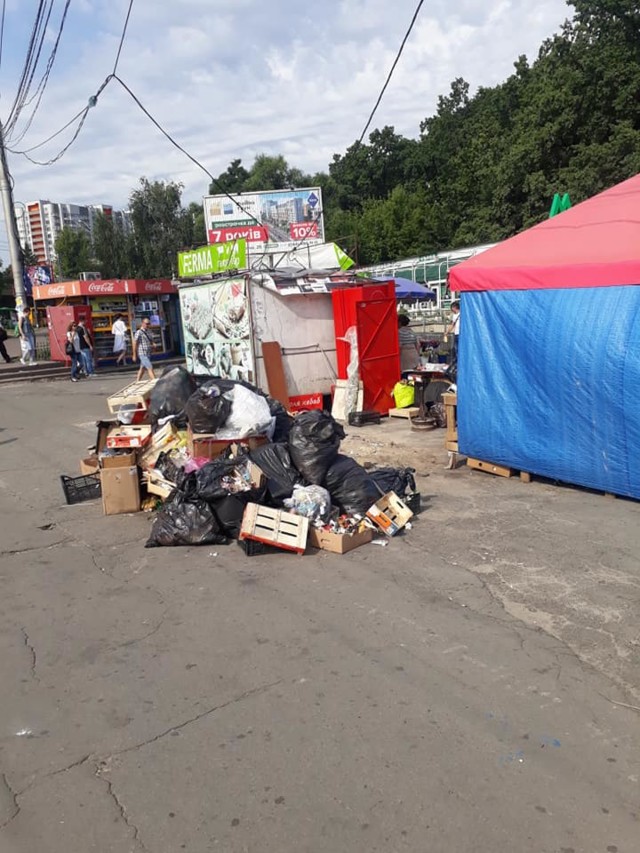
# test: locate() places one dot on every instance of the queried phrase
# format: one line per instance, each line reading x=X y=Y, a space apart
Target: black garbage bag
x=182 y=521
x=314 y=442
x=351 y=487
x=275 y=463
x=206 y=409
x=170 y=395
x=205 y=484
x=230 y=510
x=398 y=480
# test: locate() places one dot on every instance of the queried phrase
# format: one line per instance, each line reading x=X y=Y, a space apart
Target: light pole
x=15 y=252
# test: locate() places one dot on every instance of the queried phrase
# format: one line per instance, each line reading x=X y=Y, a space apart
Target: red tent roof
x=594 y=244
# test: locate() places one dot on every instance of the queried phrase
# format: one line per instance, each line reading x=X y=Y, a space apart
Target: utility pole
x=15 y=252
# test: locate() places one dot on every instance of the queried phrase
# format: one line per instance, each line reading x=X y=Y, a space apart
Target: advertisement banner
x=217 y=329
x=274 y=219
x=207 y=260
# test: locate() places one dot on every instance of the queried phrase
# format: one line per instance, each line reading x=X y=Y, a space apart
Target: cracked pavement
x=471 y=687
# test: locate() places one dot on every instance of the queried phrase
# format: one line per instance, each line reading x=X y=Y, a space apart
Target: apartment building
x=40 y=223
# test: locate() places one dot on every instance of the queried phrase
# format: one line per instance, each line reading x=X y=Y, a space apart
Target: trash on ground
x=218 y=460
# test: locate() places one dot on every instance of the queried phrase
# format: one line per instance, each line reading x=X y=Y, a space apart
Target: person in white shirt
x=454 y=329
x=119 y=332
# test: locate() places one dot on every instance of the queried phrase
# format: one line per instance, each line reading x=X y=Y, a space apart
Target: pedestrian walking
x=119 y=332
x=72 y=350
x=3 y=349
x=142 y=348
x=86 y=349
x=27 y=338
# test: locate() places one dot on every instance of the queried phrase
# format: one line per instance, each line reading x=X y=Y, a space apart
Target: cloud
x=234 y=79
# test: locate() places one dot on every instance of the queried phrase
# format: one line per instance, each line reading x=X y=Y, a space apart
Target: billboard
x=275 y=219
x=217 y=329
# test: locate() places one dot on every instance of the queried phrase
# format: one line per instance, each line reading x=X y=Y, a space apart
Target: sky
x=236 y=78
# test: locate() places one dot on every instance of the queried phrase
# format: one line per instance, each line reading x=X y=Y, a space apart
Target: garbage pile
x=219 y=460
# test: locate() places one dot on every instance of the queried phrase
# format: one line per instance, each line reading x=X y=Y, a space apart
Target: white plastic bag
x=250 y=415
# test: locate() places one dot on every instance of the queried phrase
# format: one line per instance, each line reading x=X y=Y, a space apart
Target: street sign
x=312 y=199
x=208 y=260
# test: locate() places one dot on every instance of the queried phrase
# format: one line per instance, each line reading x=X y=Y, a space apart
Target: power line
x=177 y=145
x=395 y=62
x=124 y=33
x=81 y=116
x=42 y=85
x=4 y=9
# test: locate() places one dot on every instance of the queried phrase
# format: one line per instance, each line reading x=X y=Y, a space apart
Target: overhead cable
x=389 y=76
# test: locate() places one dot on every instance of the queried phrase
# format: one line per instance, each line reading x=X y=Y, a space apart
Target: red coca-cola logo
x=153 y=287
x=101 y=287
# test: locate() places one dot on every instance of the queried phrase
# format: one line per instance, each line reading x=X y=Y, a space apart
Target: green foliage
x=110 y=248
x=74 y=253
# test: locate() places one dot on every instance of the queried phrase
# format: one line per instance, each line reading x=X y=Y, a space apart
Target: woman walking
x=119 y=332
x=27 y=338
x=72 y=350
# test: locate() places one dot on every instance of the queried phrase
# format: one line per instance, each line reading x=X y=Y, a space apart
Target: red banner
x=304 y=402
x=250 y=233
x=303 y=230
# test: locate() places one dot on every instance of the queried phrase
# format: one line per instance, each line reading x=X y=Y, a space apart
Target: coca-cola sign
x=101 y=287
x=153 y=287
x=54 y=290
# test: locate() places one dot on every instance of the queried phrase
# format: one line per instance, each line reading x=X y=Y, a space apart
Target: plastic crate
x=253 y=548
x=413 y=502
x=79 y=489
x=363 y=418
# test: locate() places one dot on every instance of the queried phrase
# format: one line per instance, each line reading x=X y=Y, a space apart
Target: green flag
x=565 y=202
x=556 y=206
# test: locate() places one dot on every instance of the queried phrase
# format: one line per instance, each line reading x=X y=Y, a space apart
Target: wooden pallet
x=450 y=400
x=408 y=412
x=498 y=470
x=275 y=527
x=135 y=394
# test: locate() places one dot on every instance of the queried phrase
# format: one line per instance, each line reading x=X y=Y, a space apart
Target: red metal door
x=378 y=350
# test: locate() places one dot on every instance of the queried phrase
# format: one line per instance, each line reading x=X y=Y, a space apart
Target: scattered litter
x=382 y=542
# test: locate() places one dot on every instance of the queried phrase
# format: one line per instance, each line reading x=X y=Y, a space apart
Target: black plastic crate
x=363 y=418
x=79 y=489
x=413 y=502
x=252 y=548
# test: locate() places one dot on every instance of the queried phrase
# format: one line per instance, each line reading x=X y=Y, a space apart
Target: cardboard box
x=390 y=513
x=121 y=460
x=207 y=446
x=120 y=490
x=89 y=465
x=338 y=543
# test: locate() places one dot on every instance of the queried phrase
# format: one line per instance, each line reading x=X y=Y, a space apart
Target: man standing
x=86 y=349
x=27 y=338
x=142 y=347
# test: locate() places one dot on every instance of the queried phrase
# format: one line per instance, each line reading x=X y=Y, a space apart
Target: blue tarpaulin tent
x=549 y=353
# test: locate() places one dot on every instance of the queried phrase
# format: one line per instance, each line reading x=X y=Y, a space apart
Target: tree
x=29 y=257
x=160 y=227
x=230 y=181
x=73 y=253
x=110 y=248
x=195 y=233
x=6 y=280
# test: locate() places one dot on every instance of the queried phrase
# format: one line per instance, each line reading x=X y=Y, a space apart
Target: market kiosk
x=135 y=299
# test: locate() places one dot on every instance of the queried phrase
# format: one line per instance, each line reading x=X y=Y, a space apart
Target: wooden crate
x=136 y=394
x=390 y=514
x=275 y=527
x=157 y=485
x=129 y=436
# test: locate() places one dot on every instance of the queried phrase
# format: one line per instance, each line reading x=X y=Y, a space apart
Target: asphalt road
x=466 y=688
